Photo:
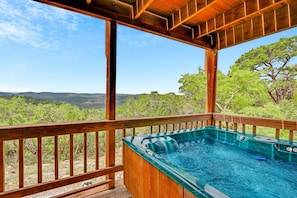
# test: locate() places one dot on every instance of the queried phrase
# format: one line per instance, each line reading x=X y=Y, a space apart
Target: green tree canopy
x=271 y=62
x=239 y=89
x=148 y=105
x=193 y=89
x=17 y=110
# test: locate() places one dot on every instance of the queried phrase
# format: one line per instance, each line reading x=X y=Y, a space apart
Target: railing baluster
x=151 y=130
x=159 y=128
x=124 y=132
x=71 y=160
x=97 y=149
x=235 y=127
x=2 y=170
x=243 y=128
x=277 y=133
x=254 y=129
x=291 y=135
x=56 y=153
x=227 y=125
x=220 y=124
x=133 y=131
x=21 y=163
x=39 y=160
x=85 y=153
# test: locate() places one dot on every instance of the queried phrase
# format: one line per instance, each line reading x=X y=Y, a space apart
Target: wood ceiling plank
x=250 y=7
x=230 y=37
x=269 y=25
x=220 y=21
x=141 y=6
x=265 y=3
x=293 y=15
x=257 y=27
x=234 y=14
x=243 y=12
x=271 y=22
x=183 y=14
x=282 y=18
x=238 y=33
x=166 y=7
x=247 y=33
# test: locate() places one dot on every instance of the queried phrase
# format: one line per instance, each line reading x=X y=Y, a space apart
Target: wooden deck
x=92 y=191
x=120 y=191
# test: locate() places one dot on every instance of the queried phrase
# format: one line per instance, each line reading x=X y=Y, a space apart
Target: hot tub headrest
x=162 y=145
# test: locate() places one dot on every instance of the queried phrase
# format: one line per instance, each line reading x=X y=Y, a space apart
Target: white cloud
x=29 y=22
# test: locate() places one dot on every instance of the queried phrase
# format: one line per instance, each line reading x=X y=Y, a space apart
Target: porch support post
x=211 y=61
x=110 y=51
x=2 y=165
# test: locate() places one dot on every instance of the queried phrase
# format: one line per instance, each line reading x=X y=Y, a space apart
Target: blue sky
x=49 y=49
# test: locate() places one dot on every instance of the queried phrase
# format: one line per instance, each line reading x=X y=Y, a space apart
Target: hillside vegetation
x=262 y=82
x=82 y=100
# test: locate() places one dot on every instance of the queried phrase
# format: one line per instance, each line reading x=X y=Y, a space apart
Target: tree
x=148 y=105
x=239 y=89
x=15 y=111
x=271 y=62
x=193 y=87
x=235 y=91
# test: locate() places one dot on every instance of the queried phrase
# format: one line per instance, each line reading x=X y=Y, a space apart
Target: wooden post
x=211 y=60
x=2 y=165
x=110 y=52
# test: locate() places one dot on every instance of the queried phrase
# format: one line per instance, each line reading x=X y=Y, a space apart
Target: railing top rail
x=256 y=121
x=53 y=129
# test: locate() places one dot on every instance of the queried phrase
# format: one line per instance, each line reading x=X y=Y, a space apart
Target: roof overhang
x=209 y=24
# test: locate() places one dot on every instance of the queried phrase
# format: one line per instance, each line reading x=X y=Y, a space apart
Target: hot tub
x=209 y=162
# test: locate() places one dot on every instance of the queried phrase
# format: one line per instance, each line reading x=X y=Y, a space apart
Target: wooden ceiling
x=210 y=24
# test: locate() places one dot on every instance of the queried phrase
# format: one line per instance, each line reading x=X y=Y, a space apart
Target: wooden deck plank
x=92 y=191
x=119 y=191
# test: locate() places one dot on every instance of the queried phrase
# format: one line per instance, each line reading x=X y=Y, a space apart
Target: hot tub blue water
x=235 y=172
x=213 y=162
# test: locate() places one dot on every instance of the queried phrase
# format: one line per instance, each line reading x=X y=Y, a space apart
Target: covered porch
x=212 y=25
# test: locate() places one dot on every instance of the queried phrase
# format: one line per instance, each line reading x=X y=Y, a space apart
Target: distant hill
x=82 y=100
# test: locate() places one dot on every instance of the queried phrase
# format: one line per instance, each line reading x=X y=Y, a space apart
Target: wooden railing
x=277 y=128
x=95 y=129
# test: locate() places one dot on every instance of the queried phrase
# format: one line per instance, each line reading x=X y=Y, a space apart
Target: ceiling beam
x=140 y=6
x=122 y=13
x=188 y=11
x=268 y=23
x=238 y=15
